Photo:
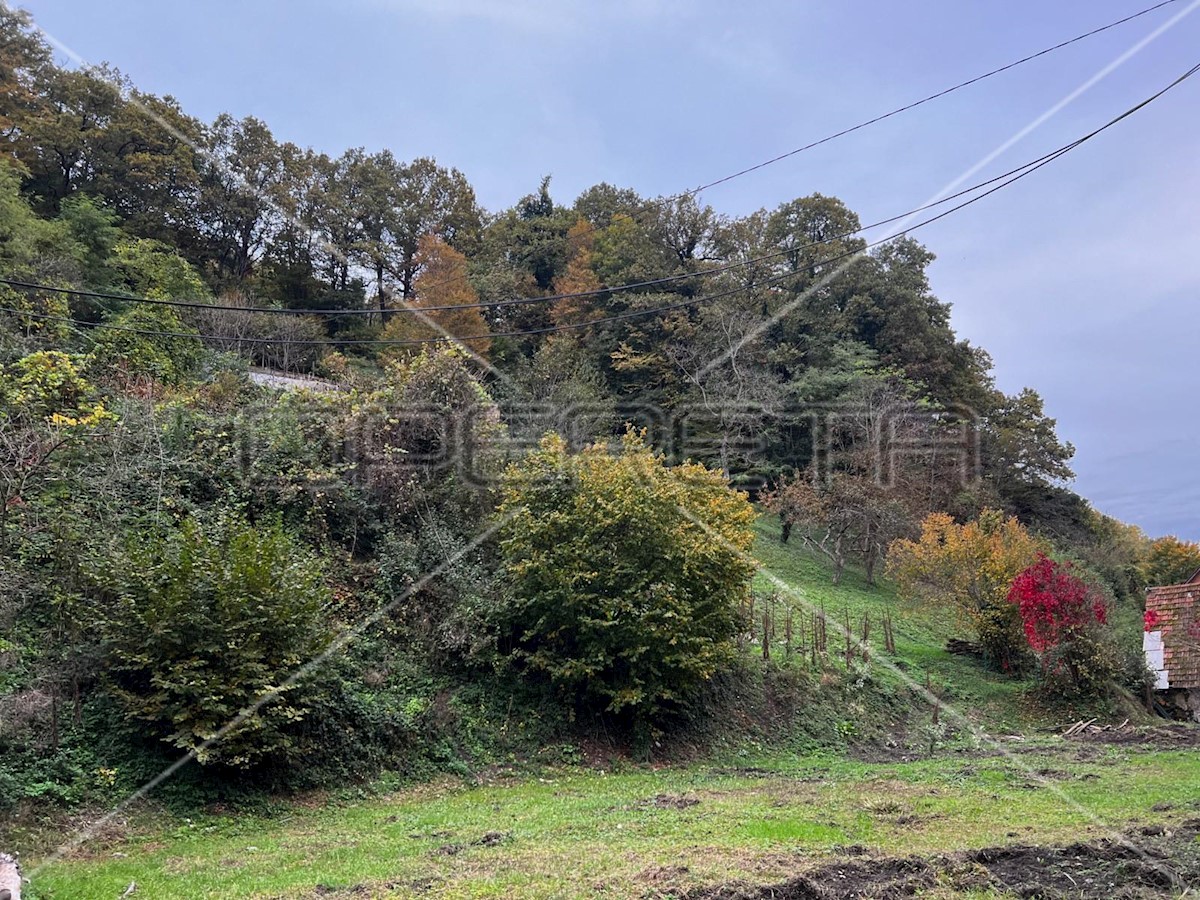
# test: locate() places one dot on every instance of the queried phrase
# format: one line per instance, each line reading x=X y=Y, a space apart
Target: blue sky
x=1082 y=281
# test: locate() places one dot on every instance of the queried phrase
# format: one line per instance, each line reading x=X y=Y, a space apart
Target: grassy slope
x=985 y=698
x=584 y=832
x=570 y=833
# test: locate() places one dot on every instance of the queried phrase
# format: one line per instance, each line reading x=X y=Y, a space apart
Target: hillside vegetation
x=598 y=486
x=774 y=794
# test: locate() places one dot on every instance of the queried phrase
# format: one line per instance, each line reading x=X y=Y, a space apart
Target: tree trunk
x=379 y=290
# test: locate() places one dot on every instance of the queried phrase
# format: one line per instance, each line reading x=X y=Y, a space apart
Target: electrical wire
x=683 y=195
x=499 y=304
x=595 y=292
x=1009 y=178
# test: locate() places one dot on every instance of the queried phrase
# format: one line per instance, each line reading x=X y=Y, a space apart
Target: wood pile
x=1089 y=726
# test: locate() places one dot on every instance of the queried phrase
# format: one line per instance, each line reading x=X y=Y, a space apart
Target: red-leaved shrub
x=1063 y=618
x=1054 y=603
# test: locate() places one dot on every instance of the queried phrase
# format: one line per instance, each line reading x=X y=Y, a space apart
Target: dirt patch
x=670 y=801
x=490 y=839
x=885 y=752
x=1160 y=737
x=1162 y=863
x=885 y=879
x=661 y=874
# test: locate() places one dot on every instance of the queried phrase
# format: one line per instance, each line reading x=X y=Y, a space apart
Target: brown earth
x=1156 y=862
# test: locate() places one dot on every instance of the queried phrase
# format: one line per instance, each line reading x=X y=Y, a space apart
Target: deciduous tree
x=969 y=569
x=626 y=574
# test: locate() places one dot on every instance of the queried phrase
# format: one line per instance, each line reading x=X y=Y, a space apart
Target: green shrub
x=202 y=624
x=626 y=575
x=154 y=344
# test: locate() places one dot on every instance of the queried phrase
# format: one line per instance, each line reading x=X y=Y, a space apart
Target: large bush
x=969 y=569
x=147 y=342
x=202 y=624
x=1065 y=619
x=626 y=574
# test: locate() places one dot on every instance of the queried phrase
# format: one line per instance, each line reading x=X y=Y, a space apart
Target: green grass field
x=588 y=833
x=750 y=812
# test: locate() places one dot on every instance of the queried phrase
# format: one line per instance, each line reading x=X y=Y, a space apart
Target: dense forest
x=524 y=475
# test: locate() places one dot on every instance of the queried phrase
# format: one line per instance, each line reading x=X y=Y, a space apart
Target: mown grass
x=754 y=813
x=587 y=833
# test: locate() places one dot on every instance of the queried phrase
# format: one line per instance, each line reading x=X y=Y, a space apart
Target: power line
x=1019 y=171
x=1027 y=170
x=500 y=304
x=921 y=102
x=683 y=195
x=595 y=292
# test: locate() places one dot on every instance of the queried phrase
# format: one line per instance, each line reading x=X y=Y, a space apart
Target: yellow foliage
x=968 y=569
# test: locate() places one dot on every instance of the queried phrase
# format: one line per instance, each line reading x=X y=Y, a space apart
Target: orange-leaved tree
x=441 y=288
x=579 y=278
x=969 y=569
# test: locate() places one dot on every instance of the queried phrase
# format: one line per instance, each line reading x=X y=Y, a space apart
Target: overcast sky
x=1082 y=281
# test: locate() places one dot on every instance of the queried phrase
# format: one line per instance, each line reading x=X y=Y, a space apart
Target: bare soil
x=1160 y=737
x=1155 y=862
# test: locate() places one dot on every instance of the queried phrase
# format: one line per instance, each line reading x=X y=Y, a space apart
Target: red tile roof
x=1178 y=619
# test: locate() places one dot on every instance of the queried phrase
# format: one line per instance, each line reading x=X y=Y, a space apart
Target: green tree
x=152 y=269
x=241 y=195
x=1170 y=561
x=626 y=574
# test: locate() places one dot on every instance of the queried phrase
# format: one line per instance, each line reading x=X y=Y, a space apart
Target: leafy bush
x=626 y=575
x=202 y=624
x=969 y=569
x=155 y=344
x=1064 y=620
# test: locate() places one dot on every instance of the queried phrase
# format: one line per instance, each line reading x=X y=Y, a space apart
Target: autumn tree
x=579 y=278
x=441 y=289
x=843 y=518
x=1063 y=618
x=431 y=201
x=1171 y=561
x=969 y=569
x=46 y=408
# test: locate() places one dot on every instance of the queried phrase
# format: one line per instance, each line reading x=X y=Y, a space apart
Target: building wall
x=1172 y=642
